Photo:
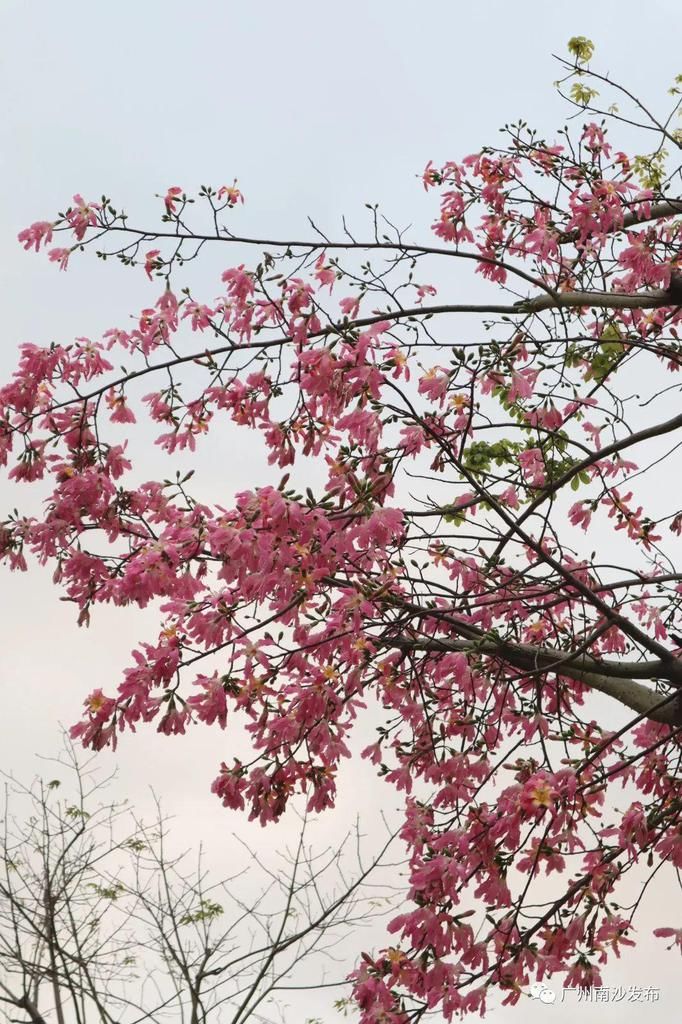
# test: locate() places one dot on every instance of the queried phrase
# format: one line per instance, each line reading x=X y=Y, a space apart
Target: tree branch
x=583 y=669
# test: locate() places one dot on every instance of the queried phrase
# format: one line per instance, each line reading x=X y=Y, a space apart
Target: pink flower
x=152 y=262
x=412 y=439
x=538 y=793
x=594 y=433
x=580 y=514
x=171 y=198
x=434 y=383
x=489 y=266
x=583 y=974
x=60 y=256
x=82 y=216
x=533 y=466
x=324 y=273
x=350 y=306
x=509 y=497
x=211 y=705
x=423 y=290
x=669 y=847
x=299 y=294
x=522 y=385
x=36 y=234
x=613 y=932
x=542 y=238
x=99 y=706
x=231 y=194
x=174 y=721
x=230 y=786
x=640 y=259
x=430 y=176
x=239 y=283
x=121 y=413
x=670 y=933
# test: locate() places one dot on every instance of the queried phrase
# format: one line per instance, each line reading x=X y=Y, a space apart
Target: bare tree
x=101 y=921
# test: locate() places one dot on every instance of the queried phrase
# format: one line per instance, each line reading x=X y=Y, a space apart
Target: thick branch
x=22 y=1003
x=582 y=669
x=602 y=300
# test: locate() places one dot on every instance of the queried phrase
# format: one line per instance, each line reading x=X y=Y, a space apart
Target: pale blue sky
x=317 y=108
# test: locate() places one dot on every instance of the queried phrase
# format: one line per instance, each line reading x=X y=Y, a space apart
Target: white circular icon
x=539 y=990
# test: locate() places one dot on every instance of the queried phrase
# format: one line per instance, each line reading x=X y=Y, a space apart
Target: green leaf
x=581 y=47
x=77 y=812
x=611 y=332
x=650 y=168
x=582 y=94
x=454 y=516
x=207 y=911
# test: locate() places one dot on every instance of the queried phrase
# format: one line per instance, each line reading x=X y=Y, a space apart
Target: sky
x=317 y=109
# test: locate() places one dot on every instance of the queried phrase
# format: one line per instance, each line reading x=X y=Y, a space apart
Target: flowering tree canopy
x=467 y=542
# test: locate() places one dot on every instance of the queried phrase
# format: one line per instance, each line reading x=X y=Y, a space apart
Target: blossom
x=324 y=273
x=34 y=236
x=121 y=413
x=211 y=705
x=60 y=256
x=670 y=933
x=583 y=974
x=175 y=721
x=239 y=283
x=640 y=259
x=533 y=467
x=522 y=385
x=430 y=176
x=509 y=497
x=580 y=514
x=425 y=289
x=350 y=306
x=434 y=383
x=171 y=198
x=82 y=215
x=231 y=194
x=538 y=793
x=98 y=705
x=152 y=262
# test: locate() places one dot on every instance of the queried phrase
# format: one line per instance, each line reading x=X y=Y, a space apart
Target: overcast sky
x=317 y=108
